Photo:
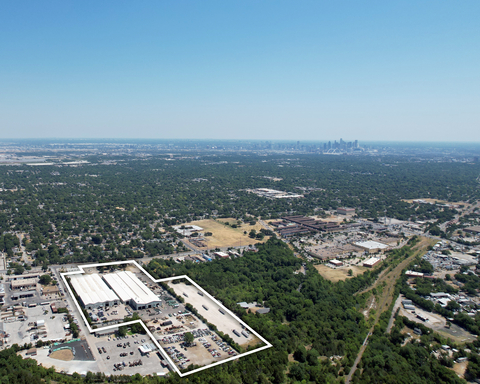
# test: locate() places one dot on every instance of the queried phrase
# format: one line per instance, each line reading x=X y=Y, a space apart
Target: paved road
x=90 y=338
x=265 y=225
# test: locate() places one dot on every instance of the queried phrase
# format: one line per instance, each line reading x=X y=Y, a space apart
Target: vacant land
x=338 y=274
x=226 y=236
x=460 y=368
x=63 y=354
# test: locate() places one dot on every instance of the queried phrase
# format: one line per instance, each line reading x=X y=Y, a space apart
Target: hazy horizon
x=376 y=71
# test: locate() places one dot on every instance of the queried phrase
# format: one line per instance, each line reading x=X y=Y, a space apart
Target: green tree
x=45 y=279
x=189 y=338
x=122 y=331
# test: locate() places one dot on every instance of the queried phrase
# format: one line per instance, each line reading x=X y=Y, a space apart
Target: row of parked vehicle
x=223 y=346
x=122 y=365
x=177 y=356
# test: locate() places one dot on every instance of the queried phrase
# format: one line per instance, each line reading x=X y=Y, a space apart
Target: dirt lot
x=341 y=273
x=226 y=236
x=64 y=354
x=460 y=368
x=225 y=323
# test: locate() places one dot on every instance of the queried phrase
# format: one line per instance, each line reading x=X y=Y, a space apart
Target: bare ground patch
x=63 y=354
x=226 y=236
x=460 y=368
x=338 y=274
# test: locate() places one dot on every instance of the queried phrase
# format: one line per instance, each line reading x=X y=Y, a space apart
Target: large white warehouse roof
x=371 y=245
x=92 y=289
x=129 y=287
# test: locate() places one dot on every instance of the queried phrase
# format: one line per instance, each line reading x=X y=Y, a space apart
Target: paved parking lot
x=115 y=313
x=23 y=331
x=81 y=348
x=125 y=351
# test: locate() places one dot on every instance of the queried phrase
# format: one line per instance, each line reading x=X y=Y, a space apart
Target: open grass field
x=226 y=236
x=63 y=354
x=338 y=274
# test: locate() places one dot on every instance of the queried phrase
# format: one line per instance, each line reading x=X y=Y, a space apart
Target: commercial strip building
x=50 y=290
x=23 y=277
x=93 y=291
x=24 y=283
x=131 y=290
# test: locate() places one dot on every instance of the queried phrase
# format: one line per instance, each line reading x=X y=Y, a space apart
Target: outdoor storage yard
x=207 y=348
x=121 y=355
x=437 y=323
x=21 y=332
x=165 y=319
x=224 y=322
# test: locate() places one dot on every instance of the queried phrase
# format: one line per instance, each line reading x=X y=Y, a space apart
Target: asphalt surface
x=82 y=351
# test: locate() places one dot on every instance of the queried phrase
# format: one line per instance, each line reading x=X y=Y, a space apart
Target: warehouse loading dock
x=131 y=290
x=93 y=291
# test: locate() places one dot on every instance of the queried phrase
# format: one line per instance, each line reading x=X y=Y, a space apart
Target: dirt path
x=386 y=296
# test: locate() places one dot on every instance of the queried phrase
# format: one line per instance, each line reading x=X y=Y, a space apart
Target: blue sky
x=300 y=70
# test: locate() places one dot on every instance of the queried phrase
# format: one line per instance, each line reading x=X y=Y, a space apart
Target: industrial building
x=371 y=246
x=413 y=274
x=474 y=229
x=187 y=230
x=346 y=211
x=370 y=263
x=336 y=263
x=93 y=291
x=131 y=290
x=296 y=225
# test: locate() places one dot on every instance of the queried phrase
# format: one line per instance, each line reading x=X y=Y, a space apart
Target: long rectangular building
x=131 y=290
x=24 y=283
x=93 y=291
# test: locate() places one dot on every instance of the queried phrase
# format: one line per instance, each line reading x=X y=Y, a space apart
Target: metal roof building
x=131 y=290
x=371 y=246
x=93 y=291
x=370 y=263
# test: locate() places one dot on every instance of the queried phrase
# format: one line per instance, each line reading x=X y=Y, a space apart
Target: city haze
x=264 y=71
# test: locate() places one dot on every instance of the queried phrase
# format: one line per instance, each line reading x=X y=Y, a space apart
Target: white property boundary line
x=162 y=351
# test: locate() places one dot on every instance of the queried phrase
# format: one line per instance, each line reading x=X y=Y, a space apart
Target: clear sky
x=253 y=69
